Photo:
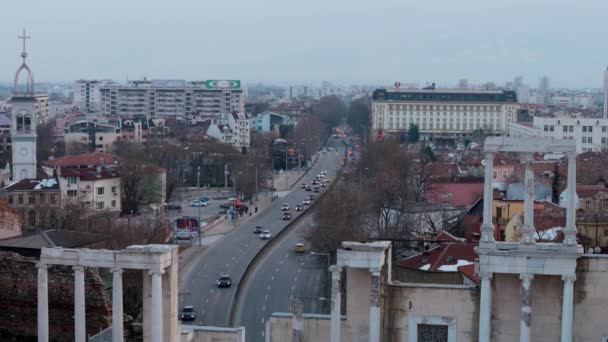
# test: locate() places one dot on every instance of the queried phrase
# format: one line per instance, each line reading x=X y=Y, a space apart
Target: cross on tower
x=24 y=37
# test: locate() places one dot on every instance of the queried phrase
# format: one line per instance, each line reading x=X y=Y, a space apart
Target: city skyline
x=341 y=41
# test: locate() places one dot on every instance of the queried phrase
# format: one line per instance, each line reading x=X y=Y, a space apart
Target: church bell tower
x=25 y=113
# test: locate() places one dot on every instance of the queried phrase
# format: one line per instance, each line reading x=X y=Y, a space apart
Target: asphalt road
x=234 y=252
x=282 y=276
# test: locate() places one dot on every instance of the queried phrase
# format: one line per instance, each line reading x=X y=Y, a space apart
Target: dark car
x=287 y=215
x=317 y=189
x=315 y=182
x=311 y=197
x=188 y=313
x=258 y=230
x=173 y=206
x=308 y=188
x=303 y=186
x=224 y=281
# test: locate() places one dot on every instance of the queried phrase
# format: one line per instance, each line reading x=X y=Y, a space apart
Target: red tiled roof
x=88 y=174
x=88 y=159
x=586 y=191
x=469 y=272
x=442 y=170
x=456 y=194
x=438 y=256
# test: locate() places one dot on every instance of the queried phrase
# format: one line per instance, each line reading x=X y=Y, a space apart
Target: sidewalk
x=226 y=225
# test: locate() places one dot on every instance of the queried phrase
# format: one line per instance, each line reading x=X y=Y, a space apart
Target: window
x=606 y=233
x=100 y=138
x=545 y=128
x=584 y=129
x=72 y=193
x=603 y=140
x=584 y=140
x=571 y=128
x=603 y=129
x=100 y=191
x=99 y=205
x=432 y=333
x=40 y=198
x=431 y=328
x=590 y=129
x=114 y=189
x=504 y=174
x=494 y=175
x=590 y=140
x=72 y=180
x=10 y=199
x=113 y=203
x=20 y=199
x=31 y=199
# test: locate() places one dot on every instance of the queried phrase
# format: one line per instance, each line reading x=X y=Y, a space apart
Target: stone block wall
x=18 y=300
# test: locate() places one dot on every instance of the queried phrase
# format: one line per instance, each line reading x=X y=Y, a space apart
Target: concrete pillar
x=146 y=306
x=80 y=318
x=297 y=321
x=374 y=307
x=117 y=308
x=570 y=229
x=485 y=309
x=567 y=307
x=525 y=326
x=336 y=303
x=43 y=302
x=528 y=229
x=157 y=306
x=487 y=228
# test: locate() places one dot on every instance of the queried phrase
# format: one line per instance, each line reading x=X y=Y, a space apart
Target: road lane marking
x=272 y=279
x=265 y=297
x=264 y=308
x=268 y=287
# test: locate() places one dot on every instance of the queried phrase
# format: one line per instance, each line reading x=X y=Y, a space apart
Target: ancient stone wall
x=18 y=300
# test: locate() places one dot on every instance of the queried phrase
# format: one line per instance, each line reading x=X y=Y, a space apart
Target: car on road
x=324 y=184
x=314 y=182
x=258 y=230
x=306 y=202
x=203 y=199
x=188 y=313
x=303 y=186
x=183 y=235
x=287 y=215
x=308 y=188
x=311 y=197
x=224 y=281
x=265 y=235
x=173 y=206
x=316 y=189
x=285 y=207
x=197 y=203
x=327 y=180
x=299 y=248
x=299 y=207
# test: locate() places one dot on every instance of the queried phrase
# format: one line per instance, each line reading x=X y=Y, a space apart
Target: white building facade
x=442 y=112
x=589 y=134
x=95 y=188
x=172 y=98
x=87 y=95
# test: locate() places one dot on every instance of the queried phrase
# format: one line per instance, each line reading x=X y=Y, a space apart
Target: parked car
x=188 y=313
x=224 y=281
x=306 y=202
x=265 y=235
x=197 y=203
x=173 y=206
x=203 y=199
x=285 y=207
x=287 y=215
x=299 y=207
x=299 y=248
x=183 y=235
x=258 y=230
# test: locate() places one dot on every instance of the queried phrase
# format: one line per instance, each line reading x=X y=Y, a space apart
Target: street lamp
x=198 y=181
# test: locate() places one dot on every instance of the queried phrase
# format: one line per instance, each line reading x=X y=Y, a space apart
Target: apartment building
x=87 y=95
x=38 y=201
x=442 y=112
x=232 y=128
x=590 y=134
x=172 y=98
x=97 y=188
x=99 y=137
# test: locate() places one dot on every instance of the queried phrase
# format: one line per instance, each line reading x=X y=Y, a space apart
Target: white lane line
x=262 y=320
x=293 y=287
x=268 y=287
x=272 y=279
x=276 y=269
x=264 y=308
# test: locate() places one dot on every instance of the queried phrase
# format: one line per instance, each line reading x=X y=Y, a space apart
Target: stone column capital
x=156 y=272
x=526 y=277
x=569 y=278
x=375 y=271
x=571 y=156
x=78 y=268
x=485 y=275
x=117 y=270
x=335 y=269
x=42 y=266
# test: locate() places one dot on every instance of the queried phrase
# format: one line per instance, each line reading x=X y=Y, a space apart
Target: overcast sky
x=286 y=41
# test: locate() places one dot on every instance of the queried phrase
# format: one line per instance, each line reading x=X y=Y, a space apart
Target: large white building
x=442 y=112
x=590 y=134
x=87 y=95
x=231 y=129
x=172 y=98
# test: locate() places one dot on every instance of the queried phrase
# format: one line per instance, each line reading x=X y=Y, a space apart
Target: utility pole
x=198 y=181
x=286 y=165
x=225 y=176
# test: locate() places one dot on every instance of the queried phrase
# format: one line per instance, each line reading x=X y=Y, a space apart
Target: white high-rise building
x=87 y=94
x=606 y=94
x=28 y=108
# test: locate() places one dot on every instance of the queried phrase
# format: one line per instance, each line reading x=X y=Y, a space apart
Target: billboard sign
x=229 y=84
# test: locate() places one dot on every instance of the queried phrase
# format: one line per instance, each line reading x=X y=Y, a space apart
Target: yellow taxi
x=299 y=248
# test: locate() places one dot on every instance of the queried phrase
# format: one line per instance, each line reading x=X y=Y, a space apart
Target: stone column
x=374 y=307
x=43 y=302
x=567 y=307
x=487 y=228
x=79 y=305
x=525 y=326
x=528 y=229
x=570 y=229
x=336 y=303
x=157 y=306
x=485 y=310
x=117 y=308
